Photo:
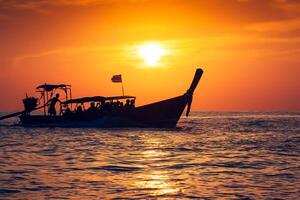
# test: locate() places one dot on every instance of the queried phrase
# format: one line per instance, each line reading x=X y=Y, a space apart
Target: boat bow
x=190 y=91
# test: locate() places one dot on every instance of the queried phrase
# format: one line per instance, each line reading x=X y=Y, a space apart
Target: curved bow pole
x=190 y=99
x=189 y=93
x=19 y=113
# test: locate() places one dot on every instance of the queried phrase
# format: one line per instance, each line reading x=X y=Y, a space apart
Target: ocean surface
x=209 y=156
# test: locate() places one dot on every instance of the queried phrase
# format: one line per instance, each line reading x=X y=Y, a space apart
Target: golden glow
x=151 y=53
x=155 y=179
x=158 y=183
x=242 y=62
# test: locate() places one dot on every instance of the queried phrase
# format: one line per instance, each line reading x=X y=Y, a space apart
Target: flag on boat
x=117 y=78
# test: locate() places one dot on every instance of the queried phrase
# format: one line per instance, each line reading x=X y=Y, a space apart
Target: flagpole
x=122 y=89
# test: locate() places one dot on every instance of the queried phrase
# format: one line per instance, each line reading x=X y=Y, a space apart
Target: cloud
x=42 y=6
x=21 y=58
x=3 y=17
x=62 y=51
x=33 y=4
x=250 y=9
x=7 y=7
x=281 y=28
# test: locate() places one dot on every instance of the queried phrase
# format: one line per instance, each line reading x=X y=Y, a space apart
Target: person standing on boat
x=52 y=102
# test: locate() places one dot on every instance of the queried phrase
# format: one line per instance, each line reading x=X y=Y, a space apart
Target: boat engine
x=30 y=103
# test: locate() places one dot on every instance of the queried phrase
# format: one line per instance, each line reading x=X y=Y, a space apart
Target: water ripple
x=210 y=156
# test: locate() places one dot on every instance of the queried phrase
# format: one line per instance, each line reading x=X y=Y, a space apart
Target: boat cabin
x=98 y=104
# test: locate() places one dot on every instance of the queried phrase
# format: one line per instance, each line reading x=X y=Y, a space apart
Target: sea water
x=208 y=156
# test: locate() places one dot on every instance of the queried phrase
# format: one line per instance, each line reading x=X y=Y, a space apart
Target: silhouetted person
x=67 y=111
x=132 y=103
x=79 y=110
x=98 y=105
x=111 y=106
x=127 y=104
x=52 y=102
x=92 y=106
x=118 y=104
x=106 y=106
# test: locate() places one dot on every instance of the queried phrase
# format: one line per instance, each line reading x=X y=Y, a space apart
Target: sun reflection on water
x=157 y=182
x=155 y=178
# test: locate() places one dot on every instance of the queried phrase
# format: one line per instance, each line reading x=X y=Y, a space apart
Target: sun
x=151 y=53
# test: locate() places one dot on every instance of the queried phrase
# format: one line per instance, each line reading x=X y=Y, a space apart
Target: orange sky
x=249 y=50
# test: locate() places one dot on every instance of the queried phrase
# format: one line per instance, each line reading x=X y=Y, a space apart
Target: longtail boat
x=110 y=112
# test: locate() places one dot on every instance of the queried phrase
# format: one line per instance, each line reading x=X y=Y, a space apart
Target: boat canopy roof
x=97 y=98
x=50 y=87
x=119 y=97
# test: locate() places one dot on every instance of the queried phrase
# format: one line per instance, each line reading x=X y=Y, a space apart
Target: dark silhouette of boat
x=109 y=112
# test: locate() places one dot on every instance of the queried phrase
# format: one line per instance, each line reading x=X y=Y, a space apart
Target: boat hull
x=163 y=114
